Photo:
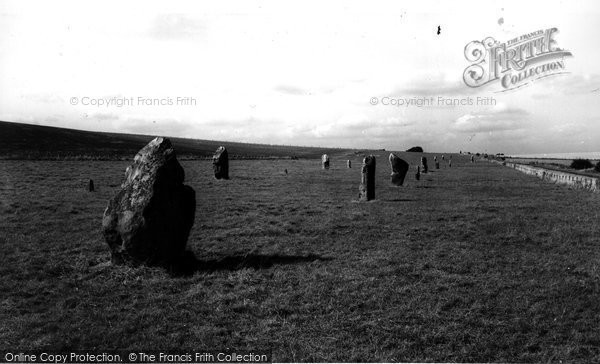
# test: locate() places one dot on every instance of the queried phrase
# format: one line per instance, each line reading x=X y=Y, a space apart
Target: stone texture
x=573 y=180
x=221 y=163
x=399 y=169
x=149 y=220
x=325 y=161
x=366 y=190
x=424 y=168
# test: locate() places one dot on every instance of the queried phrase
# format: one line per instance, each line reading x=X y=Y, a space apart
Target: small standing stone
x=450 y=163
x=399 y=169
x=91 y=185
x=349 y=163
x=418 y=174
x=325 y=161
x=286 y=172
x=367 y=183
x=443 y=157
x=424 y=168
x=472 y=159
x=221 y=163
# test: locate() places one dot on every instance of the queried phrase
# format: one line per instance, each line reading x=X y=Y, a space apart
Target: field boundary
x=570 y=179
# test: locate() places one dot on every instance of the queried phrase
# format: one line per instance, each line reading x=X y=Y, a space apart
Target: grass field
x=473 y=263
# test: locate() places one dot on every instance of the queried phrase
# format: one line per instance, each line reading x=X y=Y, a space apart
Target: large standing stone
x=424 y=168
x=366 y=190
x=325 y=161
x=399 y=169
x=221 y=163
x=149 y=220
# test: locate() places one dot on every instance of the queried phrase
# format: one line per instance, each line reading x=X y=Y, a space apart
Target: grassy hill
x=25 y=141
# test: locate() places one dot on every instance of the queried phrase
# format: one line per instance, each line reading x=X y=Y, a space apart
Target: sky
x=329 y=74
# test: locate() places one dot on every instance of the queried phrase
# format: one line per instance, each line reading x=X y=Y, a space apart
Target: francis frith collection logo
x=516 y=62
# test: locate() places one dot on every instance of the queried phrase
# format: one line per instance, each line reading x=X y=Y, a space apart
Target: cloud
x=291 y=90
x=299 y=91
x=434 y=85
x=357 y=127
x=176 y=26
x=47 y=98
x=570 y=84
x=497 y=119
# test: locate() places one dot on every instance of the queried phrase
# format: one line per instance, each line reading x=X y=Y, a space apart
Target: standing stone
x=286 y=172
x=91 y=185
x=472 y=159
x=450 y=163
x=149 y=220
x=349 y=164
x=424 y=168
x=366 y=190
x=437 y=165
x=221 y=163
x=399 y=169
x=325 y=161
x=418 y=174
x=443 y=157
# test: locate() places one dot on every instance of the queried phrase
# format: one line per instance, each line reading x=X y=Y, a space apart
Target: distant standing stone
x=399 y=169
x=443 y=157
x=424 y=168
x=91 y=185
x=325 y=161
x=450 y=163
x=437 y=165
x=349 y=163
x=366 y=190
x=221 y=163
x=472 y=159
x=418 y=174
x=149 y=220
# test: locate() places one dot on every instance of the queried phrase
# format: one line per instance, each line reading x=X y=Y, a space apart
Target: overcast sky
x=302 y=74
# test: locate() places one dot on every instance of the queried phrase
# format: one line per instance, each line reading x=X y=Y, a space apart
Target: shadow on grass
x=189 y=264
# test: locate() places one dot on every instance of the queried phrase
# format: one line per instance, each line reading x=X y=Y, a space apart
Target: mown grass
x=473 y=263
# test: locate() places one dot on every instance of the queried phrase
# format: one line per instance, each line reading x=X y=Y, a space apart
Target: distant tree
x=581 y=164
x=415 y=150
